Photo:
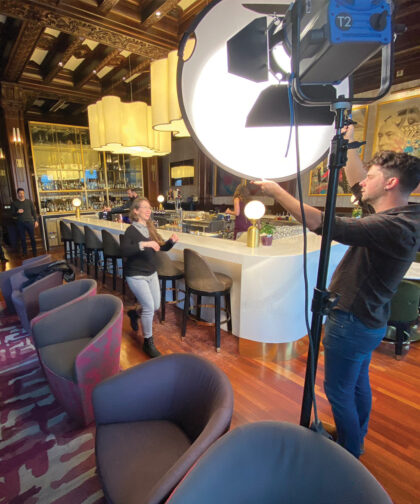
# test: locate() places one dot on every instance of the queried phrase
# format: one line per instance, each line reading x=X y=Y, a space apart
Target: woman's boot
x=149 y=348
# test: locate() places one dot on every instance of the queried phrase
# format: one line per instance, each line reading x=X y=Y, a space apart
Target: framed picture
x=225 y=182
x=398 y=126
x=318 y=180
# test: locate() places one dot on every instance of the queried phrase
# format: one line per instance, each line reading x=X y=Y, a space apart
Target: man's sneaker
x=134 y=317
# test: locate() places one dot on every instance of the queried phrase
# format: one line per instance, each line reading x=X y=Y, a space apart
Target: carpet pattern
x=44 y=456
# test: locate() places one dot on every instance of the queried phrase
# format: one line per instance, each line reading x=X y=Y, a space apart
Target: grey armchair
x=278 y=462
x=5 y=276
x=154 y=421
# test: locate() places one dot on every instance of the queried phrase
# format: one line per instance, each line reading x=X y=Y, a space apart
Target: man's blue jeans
x=348 y=346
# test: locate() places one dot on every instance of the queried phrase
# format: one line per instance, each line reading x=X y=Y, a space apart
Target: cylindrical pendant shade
x=173 y=105
x=125 y=128
x=159 y=92
x=166 y=114
x=110 y=115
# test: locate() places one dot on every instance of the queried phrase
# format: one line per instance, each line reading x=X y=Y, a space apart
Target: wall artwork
x=319 y=175
x=226 y=182
x=398 y=126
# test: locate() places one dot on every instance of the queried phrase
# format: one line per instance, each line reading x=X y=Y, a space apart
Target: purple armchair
x=25 y=300
x=53 y=299
x=79 y=346
x=5 y=276
x=153 y=421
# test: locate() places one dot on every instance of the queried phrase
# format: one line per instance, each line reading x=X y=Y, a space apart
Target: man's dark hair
x=401 y=165
x=20 y=189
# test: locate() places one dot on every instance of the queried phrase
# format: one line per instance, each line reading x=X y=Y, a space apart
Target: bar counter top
x=268 y=289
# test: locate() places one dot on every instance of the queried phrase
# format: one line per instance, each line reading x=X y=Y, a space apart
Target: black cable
x=305 y=251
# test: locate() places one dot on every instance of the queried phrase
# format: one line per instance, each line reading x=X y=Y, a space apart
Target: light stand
x=322 y=302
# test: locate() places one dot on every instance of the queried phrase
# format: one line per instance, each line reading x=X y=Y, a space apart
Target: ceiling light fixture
x=166 y=113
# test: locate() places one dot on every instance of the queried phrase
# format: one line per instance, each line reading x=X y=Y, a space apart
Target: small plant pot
x=267 y=240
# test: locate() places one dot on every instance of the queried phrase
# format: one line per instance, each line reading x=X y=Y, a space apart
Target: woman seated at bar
x=240 y=199
x=139 y=245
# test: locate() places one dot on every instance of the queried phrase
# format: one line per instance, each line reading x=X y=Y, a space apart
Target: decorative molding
x=87 y=26
x=23 y=48
x=13 y=98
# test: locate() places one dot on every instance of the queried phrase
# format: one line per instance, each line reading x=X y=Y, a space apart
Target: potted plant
x=266 y=234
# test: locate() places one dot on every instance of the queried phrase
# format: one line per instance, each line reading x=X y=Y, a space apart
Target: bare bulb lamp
x=77 y=202
x=161 y=199
x=254 y=210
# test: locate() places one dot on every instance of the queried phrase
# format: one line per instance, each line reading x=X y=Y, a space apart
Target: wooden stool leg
x=185 y=312
x=228 y=311
x=96 y=263
x=81 y=256
x=114 y=273
x=217 y=320
x=104 y=270
x=198 y=307
x=173 y=290
x=88 y=259
x=162 y=300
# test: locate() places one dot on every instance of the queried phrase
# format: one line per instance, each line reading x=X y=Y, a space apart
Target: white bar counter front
x=267 y=294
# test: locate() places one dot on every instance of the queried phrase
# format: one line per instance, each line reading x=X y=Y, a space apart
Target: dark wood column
x=151 y=179
x=205 y=170
x=13 y=104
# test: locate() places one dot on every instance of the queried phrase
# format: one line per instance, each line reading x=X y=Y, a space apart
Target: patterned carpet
x=44 y=457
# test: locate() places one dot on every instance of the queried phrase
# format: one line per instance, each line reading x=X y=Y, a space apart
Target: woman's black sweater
x=139 y=262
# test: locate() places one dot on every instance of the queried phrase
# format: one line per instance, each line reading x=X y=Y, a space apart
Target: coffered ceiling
x=66 y=54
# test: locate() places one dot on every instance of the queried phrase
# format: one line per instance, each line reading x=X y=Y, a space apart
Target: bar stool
x=66 y=238
x=93 y=244
x=201 y=280
x=112 y=250
x=168 y=269
x=78 y=236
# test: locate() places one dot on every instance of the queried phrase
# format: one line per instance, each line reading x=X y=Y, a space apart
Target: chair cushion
x=132 y=457
x=60 y=358
x=226 y=280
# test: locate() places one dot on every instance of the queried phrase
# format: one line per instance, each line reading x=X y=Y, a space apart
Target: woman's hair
x=154 y=235
x=242 y=192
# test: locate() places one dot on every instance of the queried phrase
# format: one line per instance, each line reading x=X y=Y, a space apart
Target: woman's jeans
x=147 y=292
x=348 y=346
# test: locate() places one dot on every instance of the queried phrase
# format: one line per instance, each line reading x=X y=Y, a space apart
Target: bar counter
x=268 y=290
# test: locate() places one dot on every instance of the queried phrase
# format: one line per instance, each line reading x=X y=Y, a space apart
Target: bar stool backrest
x=198 y=274
x=92 y=240
x=77 y=233
x=165 y=266
x=65 y=231
x=111 y=244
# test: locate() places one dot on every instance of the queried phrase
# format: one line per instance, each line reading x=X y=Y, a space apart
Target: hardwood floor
x=269 y=390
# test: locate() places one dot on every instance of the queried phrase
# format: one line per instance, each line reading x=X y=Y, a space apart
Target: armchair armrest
x=31 y=293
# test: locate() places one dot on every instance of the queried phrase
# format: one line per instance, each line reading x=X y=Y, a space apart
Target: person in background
x=382 y=246
x=139 y=245
x=240 y=199
x=132 y=195
x=3 y=258
x=27 y=220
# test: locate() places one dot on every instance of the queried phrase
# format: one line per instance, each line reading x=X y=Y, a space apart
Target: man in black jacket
x=27 y=220
x=381 y=248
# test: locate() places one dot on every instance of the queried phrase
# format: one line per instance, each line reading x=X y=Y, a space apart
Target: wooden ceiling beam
x=22 y=50
x=105 y=6
x=88 y=24
x=94 y=62
x=115 y=78
x=62 y=51
x=155 y=10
